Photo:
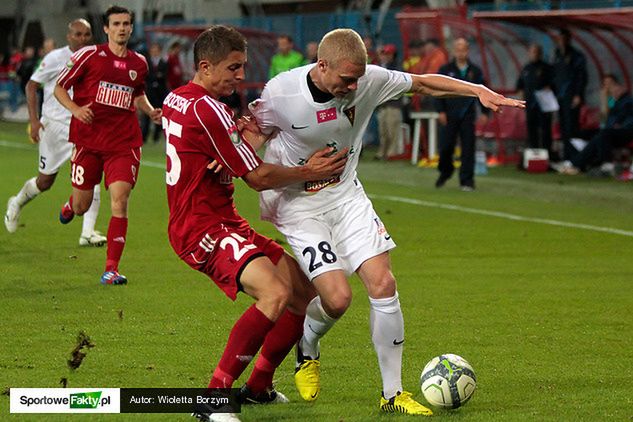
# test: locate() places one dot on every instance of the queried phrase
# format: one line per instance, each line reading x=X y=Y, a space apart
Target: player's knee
x=276 y=300
x=119 y=206
x=384 y=286
x=336 y=306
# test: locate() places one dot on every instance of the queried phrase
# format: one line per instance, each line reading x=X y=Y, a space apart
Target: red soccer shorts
x=88 y=165
x=222 y=254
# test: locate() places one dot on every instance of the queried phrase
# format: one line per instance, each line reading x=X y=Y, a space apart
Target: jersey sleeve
x=48 y=70
x=262 y=110
x=227 y=145
x=76 y=67
x=391 y=84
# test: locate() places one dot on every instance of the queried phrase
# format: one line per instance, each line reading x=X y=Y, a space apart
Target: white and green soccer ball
x=448 y=381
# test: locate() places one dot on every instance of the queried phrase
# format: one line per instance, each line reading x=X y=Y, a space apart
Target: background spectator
x=570 y=82
x=286 y=58
x=536 y=75
x=457 y=117
x=156 y=88
x=174 y=67
x=617 y=131
x=312 y=49
x=389 y=113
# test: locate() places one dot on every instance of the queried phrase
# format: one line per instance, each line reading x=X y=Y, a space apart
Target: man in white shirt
x=51 y=133
x=331 y=224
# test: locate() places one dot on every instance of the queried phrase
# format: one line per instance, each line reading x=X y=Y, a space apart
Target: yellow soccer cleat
x=403 y=403
x=307 y=379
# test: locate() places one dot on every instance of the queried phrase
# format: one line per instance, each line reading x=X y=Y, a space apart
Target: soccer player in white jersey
x=331 y=224
x=51 y=132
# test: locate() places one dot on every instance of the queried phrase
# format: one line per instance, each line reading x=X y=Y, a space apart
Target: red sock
x=245 y=339
x=278 y=343
x=117 y=229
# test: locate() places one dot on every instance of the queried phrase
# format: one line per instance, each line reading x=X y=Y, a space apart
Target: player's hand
x=493 y=101
x=84 y=114
x=442 y=119
x=324 y=163
x=247 y=126
x=156 y=115
x=214 y=166
x=575 y=102
x=34 y=132
x=483 y=120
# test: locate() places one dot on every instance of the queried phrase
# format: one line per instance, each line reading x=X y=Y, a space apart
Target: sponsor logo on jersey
x=350 y=113
x=316 y=185
x=119 y=64
x=326 y=115
x=382 y=231
x=114 y=95
x=133 y=74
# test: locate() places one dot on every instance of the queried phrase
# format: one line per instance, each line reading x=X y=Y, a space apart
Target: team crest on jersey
x=133 y=74
x=235 y=136
x=70 y=64
x=350 y=113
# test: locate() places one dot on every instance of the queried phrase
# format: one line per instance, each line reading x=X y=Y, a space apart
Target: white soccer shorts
x=339 y=239
x=54 y=147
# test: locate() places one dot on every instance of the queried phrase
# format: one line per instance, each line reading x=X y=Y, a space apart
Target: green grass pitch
x=528 y=278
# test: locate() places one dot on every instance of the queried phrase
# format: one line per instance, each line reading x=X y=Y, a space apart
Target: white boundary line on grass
x=505 y=215
x=430 y=204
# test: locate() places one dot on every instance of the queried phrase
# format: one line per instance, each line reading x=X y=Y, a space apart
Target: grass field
x=528 y=278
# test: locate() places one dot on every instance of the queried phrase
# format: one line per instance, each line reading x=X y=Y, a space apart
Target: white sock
x=28 y=192
x=90 y=217
x=316 y=324
x=387 y=333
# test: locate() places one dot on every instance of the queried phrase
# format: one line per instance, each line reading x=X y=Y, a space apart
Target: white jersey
x=46 y=75
x=305 y=126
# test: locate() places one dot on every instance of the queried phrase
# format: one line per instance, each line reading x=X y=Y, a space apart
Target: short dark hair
x=216 y=43
x=115 y=10
x=286 y=36
x=611 y=76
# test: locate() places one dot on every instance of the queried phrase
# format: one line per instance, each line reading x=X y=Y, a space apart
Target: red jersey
x=198 y=130
x=110 y=83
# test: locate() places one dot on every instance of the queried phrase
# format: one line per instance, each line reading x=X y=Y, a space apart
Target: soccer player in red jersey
x=108 y=82
x=206 y=149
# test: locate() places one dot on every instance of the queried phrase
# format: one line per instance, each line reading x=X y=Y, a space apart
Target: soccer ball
x=448 y=381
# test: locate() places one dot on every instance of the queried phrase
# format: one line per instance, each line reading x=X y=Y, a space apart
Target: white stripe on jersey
x=222 y=114
x=247 y=156
x=209 y=133
x=243 y=149
x=79 y=54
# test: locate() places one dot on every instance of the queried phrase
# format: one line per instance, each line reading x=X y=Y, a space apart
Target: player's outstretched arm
x=84 y=114
x=321 y=165
x=445 y=86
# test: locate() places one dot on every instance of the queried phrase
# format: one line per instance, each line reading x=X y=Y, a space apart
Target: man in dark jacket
x=617 y=131
x=457 y=117
x=570 y=82
x=536 y=76
x=156 y=88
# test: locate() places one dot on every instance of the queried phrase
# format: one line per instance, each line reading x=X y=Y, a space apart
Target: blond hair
x=342 y=44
